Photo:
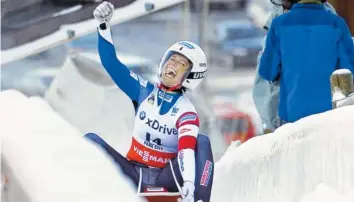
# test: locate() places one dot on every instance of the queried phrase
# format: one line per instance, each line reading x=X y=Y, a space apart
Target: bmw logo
x=142 y=115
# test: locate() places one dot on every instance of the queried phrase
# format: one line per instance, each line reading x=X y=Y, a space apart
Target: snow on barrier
x=46 y=159
x=323 y=193
x=291 y=162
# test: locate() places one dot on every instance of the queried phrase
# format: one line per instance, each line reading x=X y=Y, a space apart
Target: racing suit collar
x=173 y=89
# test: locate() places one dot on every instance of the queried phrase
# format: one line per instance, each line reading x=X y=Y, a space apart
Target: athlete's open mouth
x=171 y=73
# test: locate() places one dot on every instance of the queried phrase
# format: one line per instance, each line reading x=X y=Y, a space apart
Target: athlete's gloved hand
x=188 y=191
x=104 y=12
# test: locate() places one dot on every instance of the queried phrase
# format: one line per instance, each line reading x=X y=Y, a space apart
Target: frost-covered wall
x=47 y=160
x=292 y=162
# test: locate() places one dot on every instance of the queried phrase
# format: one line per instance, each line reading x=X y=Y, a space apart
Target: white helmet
x=197 y=58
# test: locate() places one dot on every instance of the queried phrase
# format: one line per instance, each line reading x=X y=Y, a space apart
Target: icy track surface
x=309 y=161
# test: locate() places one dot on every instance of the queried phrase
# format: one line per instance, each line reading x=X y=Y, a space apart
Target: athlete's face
x=174 y=70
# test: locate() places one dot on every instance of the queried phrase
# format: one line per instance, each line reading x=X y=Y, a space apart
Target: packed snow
x=310 y=160
x=46 y=159
x=291 y=162
x=324 y=193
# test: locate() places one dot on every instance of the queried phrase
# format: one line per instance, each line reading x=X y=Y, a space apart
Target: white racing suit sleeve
x=188 y=129
x=104 y=30
x=265 y=93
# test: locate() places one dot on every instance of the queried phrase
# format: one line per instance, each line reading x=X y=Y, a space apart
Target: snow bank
x=46 y=159
x=291 y=162
x=324 y=193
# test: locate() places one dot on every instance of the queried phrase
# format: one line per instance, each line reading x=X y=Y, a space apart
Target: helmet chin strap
x=172 y=88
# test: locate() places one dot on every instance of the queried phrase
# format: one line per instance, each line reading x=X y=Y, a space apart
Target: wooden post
x=341 y=85
x=341 y=81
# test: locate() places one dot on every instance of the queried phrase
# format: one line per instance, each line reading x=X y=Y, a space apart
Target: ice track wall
x=47 y=160
x=291 y=163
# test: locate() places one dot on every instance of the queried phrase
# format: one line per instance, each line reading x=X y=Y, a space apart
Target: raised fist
x=104 y=12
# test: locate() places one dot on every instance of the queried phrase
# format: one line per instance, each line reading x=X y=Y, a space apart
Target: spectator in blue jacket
x=265 y=93
x=303 y=48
